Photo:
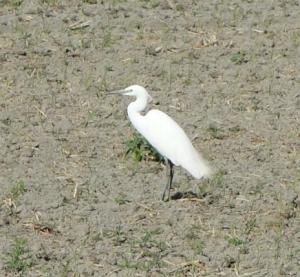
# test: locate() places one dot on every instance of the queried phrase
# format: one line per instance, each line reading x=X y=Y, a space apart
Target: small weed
x=240 y=57
x=216 y=181
x=121 y=199
x=103 y=83
x=18 y=189
x=250 y=225
x=109 y=68
x=235 y=129
x=147 y=240
x=49 y=2
x=194 y=240
x=116 y=2
x=235 y=241
x=140 y=149
x=151 y=260
x=107 y=40
x=15 y=261
x=198 y=246
x=154 y=261
x=192 y=232
x=129 y=263
x=187 y=81
x=154 y=4
x=277 y=242
x=135 y=60
x=215 y=132
x=241 y=107
x=149 y=252
x=91 y=116
x=179 y=8
x=87 y=81
x=255 y=103
x=218 y=178
x=90 y=1
x=12 y=3
x=118 y=235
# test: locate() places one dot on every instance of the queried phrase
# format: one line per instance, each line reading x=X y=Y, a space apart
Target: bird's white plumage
x=164 y=134
x=168 y=138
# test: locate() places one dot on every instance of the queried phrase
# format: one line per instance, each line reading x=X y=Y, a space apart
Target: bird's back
x=168 y=138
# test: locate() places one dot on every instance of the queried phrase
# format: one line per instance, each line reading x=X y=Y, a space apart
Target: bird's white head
x=135 y=90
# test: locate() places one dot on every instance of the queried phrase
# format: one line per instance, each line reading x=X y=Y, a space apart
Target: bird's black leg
x=170 y=174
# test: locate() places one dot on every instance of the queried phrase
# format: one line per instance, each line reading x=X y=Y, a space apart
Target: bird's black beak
x=121 y=91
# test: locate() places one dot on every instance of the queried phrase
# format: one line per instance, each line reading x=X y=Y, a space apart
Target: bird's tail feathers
x=201 y=168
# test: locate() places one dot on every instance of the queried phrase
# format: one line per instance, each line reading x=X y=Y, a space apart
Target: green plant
x=49 y=2
x=187 y=81
x=250 y=225
x=121 y=199
x=90 y=1
x=179 y=8
x=235 y=129
x=15 y=260
x=196 y=244
x=148 y=240
x=154 y=3
x=129 y=263
x=118 y=235
x=150 y=252
x=140 y=149
x=13 y=3
x=116 y=2
x=235 y=241
x=218 y=178
x=215 y=132
x=107 y=39
x=216 y=181
x=239 y=57
x=18 y=189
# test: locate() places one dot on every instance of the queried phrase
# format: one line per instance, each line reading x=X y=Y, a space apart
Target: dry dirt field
x=73 y=204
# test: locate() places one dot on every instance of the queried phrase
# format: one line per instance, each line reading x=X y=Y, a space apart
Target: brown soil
x=226 y=71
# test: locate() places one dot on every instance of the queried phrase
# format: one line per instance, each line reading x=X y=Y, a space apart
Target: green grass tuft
x=239 y=57
x=140 y=149
x=18 y=189
x=215 y=132
x=15 y=259
x=121 y=199
x=235 y=241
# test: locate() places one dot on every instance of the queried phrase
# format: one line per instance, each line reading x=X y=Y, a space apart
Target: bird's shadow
x=187 y=195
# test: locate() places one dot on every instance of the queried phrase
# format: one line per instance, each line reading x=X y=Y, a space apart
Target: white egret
x=165 y=135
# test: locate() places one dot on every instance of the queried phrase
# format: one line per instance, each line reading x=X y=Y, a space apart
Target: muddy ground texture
x=72 y=203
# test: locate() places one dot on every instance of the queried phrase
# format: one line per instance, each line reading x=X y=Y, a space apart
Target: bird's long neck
x=138 y=105
x=134 y=110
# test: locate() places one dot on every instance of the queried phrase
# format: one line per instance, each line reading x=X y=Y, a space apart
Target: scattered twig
x=40 y=111
x=258 y=31
x=171 y=4
x=75 y=193
x=9 y=203
x=253 y=273
x=197 y=263
x=79 y=25
x=42 y=229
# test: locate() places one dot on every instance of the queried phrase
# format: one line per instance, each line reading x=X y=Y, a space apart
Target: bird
x=165 y=135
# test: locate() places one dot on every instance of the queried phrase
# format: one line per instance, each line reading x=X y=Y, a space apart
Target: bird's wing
x=168 y=138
